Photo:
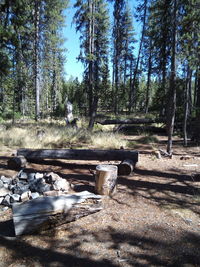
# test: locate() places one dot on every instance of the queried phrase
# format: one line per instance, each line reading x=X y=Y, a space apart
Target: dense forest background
x=156 y=73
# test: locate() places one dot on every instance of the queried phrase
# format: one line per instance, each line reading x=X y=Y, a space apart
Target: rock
x=20 y=188
x=11 y=187
x=157 y=154
x=17 y=162
x=39 y=175
x=23 y=175
x=1 y=200
x=41 y=188
x=14 y=198
x=34 y=195
x=4 y=191
x=61 y=184
x=6 y=186
x=15 y=181
x=6 y=201
x=5 y=209
x=52 y=177
x=25 y=196
x=6 y=180
x=31 y=177
x=1 y=184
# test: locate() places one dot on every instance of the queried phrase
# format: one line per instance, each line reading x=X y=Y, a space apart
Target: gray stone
x=6 y=180
x=39 y=175
x=61 y=184
x=30 y=176
x=11 y=187
x=14 y=198
x=1 y=184
x=34 y=195
x=25 y=196
x=52 y=177
x=1 y=200
x=4 y=208
x=4 y=191
x=15 y=180
x=20 y=188
x=6 y=201
x=23 y=175
x=41 y=188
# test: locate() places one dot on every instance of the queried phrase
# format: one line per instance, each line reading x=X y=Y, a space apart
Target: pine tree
x=92 y=21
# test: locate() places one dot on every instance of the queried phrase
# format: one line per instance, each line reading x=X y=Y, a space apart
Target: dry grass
x=53 y=135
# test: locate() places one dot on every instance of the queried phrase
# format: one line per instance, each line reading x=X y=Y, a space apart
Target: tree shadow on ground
x=171 y=189
x=149 y=246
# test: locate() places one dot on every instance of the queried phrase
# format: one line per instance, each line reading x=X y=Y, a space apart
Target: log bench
x=128 y=158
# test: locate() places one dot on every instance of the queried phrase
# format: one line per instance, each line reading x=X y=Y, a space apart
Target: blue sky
x=72 y=66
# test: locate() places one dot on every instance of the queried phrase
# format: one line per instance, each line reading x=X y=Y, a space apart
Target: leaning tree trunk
x=172 y=90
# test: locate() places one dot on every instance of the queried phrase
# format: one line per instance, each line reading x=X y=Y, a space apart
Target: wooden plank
x=78 y=154
x=44 y=212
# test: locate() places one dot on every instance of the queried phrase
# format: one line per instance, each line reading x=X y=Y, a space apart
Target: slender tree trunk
x=172 y=90
x=132 y=95
x=186 y=109
x=195 y=88
x=36 y=60
x=148 y=79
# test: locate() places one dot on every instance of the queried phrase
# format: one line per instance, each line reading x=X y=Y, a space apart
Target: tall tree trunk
x=133 y=86
x=36 y=59
x=149 y=78
x=186 y=109
x=172 y=89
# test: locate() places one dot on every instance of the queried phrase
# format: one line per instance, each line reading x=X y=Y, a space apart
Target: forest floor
x=152 y=220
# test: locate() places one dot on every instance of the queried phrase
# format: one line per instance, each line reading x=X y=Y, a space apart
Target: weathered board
x=44 y=212
x=78 y=154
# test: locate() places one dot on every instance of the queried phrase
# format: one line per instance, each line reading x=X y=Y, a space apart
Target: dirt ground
x=152 y=220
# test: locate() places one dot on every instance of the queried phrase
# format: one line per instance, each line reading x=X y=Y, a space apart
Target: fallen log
x=126 y=167
x=131 y=121
x=46 y=212
x=17 y=162
x=137 y=129
x=78 y=154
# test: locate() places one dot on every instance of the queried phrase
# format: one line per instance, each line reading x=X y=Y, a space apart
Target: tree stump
x=106 y=179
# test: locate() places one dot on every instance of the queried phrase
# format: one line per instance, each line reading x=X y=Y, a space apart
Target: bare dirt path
x=153 y=220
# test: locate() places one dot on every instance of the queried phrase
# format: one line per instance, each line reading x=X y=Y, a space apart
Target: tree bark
x=132 y=93
x=172 y=90
x=186 y=109
x=78 y=154
x=46 y=212
x=149 y=78
x=36 y=60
